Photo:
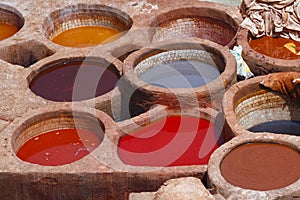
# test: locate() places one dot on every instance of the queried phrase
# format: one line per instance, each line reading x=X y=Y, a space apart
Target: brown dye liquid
x=274 y=47
x=86 y=36
x=7 y=30
x=261 y=166
x=74 y=81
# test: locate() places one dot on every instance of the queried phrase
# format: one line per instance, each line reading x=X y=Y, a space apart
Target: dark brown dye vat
x=289 y=127
x=261 y=166
x=74 y=81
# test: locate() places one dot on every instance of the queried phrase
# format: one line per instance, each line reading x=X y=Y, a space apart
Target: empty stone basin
x=248 y=107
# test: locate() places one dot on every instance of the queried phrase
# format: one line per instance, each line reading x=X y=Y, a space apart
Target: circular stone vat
x=248 y=107
x=86 y=25
x=58 y=136
x=74 y=79
x=171 y=139
x=211 y=21
x=256 y=167
x=263 y=63
x=179 y=73
x=11 y=21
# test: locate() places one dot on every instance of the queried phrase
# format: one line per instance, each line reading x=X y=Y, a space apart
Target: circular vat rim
x=65 y=19
x=15 y=17
x=240 y=91
x=39 y=121
x=108 y=62
x=158 y=112
x=212 y=10
x=227 y=190
x=261 y=64
x=227 y=76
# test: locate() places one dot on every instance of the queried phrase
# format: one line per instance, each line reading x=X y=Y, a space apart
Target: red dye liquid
x=74 y=81
x=172 y=141
x=59 y=147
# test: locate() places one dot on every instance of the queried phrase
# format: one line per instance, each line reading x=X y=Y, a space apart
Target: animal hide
x=272 y=18
x=287 y=83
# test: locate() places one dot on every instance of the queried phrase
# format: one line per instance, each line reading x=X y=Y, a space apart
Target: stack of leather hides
x=272 y=18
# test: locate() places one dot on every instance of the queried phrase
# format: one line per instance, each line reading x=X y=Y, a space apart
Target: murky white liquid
x=181 y=74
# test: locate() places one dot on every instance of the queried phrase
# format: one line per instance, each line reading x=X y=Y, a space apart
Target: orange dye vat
x=7 y=30
x=171 y=141
x=59 y=147
x=274 y=47
x=86 y=36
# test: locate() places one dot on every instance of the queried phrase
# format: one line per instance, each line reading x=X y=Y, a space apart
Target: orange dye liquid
x=274 y=47
x=86 y=36
x=7 y=30
x=59 y=147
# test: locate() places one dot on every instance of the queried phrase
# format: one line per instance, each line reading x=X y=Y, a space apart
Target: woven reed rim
x=79 y=15
x=226 y=77
x=245 y=100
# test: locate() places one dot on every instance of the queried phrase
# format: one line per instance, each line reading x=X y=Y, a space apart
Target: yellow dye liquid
x=7 y=30
x=86 y=36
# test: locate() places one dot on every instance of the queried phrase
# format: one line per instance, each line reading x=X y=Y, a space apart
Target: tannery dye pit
x=191 y=120
x=7 y=30
x=278 y=126
x=181 y=74
x=282 y=48
x=261 y=166
x=171 y=141
x=58 y=147
x=74 y=81
x=86 y=36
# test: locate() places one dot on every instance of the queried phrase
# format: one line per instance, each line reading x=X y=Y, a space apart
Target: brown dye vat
x=270 y=60
x=261 y=166
x=209 y=22
x=274 y=47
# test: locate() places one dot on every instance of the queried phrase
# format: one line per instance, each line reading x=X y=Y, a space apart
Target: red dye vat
x=59 y=147
x=171 y=141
